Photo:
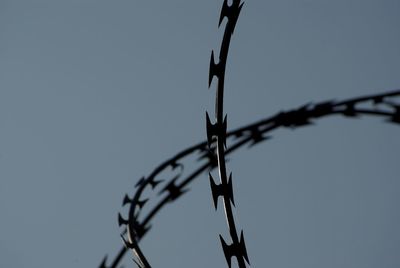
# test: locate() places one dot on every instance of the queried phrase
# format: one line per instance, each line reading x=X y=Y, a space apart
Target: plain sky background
x=95 y=94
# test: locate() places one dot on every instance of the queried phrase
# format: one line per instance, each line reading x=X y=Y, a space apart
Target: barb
x=381 y=105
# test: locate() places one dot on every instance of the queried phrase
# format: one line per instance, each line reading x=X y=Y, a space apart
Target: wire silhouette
x=386 y=106
x=218 y=130
x=211 y=154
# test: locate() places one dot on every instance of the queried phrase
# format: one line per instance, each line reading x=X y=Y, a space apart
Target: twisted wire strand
x=381 y=105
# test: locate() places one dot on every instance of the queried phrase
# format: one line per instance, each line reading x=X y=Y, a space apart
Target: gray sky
x=95 y=94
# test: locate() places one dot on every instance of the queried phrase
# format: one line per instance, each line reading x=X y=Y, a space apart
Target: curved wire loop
x=137 y=224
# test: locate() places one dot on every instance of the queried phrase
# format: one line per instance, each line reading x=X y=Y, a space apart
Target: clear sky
x=95 y=94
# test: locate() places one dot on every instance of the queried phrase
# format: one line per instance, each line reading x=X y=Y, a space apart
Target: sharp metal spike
x=154 y=183
x=231 y=12
x=215 y=190
x=103 y=263
x=243 y=247
x=227 y=251
x=378 y=99
x=141 y=203
x=216 y=130
x=323 y=108
x=174 y=190
x=121 y=221
x=215 y=69
x=295 y=118
x=221 y=190
x=140 y=182
x=175 y=165
x=256 y=136
x=238 y=250
x=350 y=111
x=126 y=200
x=224 y=12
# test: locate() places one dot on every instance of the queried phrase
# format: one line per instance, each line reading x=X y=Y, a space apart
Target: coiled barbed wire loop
x=211 y=154
x=386 y=106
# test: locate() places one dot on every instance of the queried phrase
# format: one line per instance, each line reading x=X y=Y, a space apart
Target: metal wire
x=386 y=106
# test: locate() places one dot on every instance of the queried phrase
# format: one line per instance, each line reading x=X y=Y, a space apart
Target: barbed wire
x=215 y=149
x=136 y=226
x=237 y=248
